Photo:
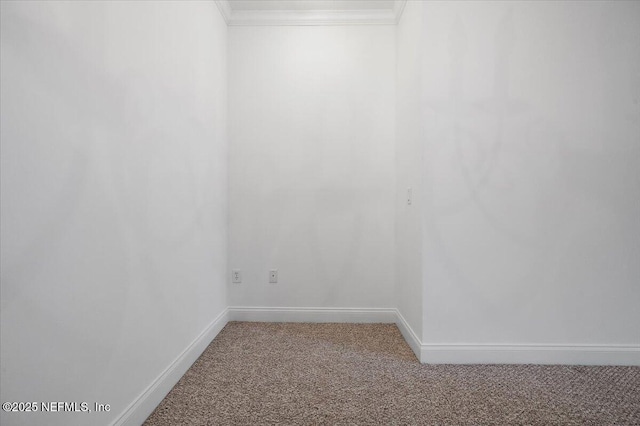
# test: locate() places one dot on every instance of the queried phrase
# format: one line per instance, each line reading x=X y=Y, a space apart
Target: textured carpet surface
x=283 y=373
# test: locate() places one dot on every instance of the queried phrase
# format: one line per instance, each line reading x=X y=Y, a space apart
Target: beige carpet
x=277 y=373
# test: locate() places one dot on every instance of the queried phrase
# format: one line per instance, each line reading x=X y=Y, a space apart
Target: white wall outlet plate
x=273 y=276
x=236 y=276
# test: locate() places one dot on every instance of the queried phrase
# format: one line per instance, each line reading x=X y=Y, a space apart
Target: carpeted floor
x=284 y=373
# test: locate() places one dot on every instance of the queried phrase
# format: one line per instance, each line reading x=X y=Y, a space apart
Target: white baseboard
x=448 y=353
x=143 y=406
x=355 y=315
x=519 y=353
x=409 y=335
x=530 y=354
x=138 y=411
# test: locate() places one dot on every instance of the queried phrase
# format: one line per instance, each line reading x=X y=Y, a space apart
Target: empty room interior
x=320 y=212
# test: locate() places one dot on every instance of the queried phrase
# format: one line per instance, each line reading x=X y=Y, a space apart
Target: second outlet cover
x=273 y=276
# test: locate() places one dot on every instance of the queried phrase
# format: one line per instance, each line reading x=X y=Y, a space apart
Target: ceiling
x=311 y=12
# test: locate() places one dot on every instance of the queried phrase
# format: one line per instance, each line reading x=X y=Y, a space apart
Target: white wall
x=532 y=172
x=517 y=128
x=114 y=187
x=311 y=122
x=409 y=135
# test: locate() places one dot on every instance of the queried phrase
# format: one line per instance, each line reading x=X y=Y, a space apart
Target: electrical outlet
x=273 y=276
x=236 y=276
x=409 y=196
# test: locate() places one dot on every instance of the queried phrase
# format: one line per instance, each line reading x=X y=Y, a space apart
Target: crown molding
x=310 y=17
x=398 y=8
x=225 y=10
